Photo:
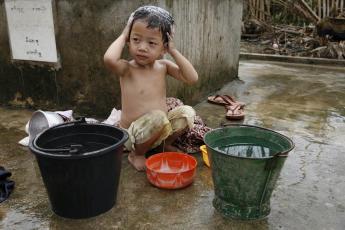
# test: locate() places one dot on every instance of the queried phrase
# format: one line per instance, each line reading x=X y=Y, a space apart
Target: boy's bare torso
x=143 y=89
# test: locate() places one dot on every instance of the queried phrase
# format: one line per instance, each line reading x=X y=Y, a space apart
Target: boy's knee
x=148 y=126
x=181 y=118
x=156 y=120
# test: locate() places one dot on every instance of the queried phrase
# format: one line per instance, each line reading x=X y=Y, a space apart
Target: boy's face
x=145 y=44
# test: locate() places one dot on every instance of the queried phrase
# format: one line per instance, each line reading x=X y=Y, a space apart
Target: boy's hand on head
x=171 y=45
x=126 y=30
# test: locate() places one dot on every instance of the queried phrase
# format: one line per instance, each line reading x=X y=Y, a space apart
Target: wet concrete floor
x=305 y=103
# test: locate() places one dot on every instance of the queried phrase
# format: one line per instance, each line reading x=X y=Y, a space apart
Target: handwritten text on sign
x=31 y=30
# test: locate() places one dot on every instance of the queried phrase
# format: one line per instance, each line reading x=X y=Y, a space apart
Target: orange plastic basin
x=171 y=170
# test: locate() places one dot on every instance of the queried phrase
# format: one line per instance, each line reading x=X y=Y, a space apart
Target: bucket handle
x=272 y=162
x=265 y=189
x=224 y=124
x=79 y=120
x=72 y=149
x=270 y=165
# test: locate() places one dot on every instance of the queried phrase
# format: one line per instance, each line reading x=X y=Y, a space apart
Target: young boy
x=148 y=34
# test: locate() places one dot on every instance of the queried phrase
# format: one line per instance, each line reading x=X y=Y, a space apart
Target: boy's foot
x=138 y=161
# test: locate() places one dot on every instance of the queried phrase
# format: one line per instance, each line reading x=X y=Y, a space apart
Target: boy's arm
x=183 y=70
x=112 y=57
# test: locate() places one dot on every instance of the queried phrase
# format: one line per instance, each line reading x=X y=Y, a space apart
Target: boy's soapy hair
x=155 y=17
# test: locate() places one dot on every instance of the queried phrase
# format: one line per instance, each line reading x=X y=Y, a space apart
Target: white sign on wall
x=31 y=30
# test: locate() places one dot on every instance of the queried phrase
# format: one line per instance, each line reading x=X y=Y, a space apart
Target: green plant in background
x=284 y=12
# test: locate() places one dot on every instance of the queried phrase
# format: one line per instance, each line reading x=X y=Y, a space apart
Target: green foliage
x=284 y=13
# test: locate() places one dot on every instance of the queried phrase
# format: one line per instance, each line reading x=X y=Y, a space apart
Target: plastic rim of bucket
x=282 y=153
x=42 y=152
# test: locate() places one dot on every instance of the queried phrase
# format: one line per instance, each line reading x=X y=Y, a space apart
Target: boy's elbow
x=108 y=62
x=116 y=66
x=193 y=80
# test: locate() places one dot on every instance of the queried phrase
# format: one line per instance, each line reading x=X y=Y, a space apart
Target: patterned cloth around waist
x=148 y=125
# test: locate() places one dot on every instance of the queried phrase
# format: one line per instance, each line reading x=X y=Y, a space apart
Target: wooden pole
x=257 y=8
x=262 y=10
x=332 y=5
x=268 y=9
x=323 y=8
x=319 y=8
x=336 y=5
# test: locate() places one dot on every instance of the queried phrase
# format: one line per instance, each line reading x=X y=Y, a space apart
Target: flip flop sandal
x=224 y=100
x=235 y=112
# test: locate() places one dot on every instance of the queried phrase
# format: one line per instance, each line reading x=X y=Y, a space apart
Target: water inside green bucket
x=247 y=146
x=247 y=150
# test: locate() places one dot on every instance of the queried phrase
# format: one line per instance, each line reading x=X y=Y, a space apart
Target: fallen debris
x=291 y=40
x=323 y=37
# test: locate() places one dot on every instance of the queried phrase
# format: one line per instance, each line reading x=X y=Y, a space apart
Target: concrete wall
x=207 y=33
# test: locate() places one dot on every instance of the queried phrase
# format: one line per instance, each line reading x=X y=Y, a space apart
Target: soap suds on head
x=155 y=17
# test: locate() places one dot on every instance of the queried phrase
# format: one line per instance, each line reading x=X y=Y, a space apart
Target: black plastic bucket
x=80 y=164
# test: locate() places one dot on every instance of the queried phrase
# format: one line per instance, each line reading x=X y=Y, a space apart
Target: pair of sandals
x=234 y=109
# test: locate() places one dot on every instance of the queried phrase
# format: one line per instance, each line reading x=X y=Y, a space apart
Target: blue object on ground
x=6 y=186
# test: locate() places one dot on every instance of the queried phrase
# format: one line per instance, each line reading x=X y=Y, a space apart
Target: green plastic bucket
x=246 y=162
